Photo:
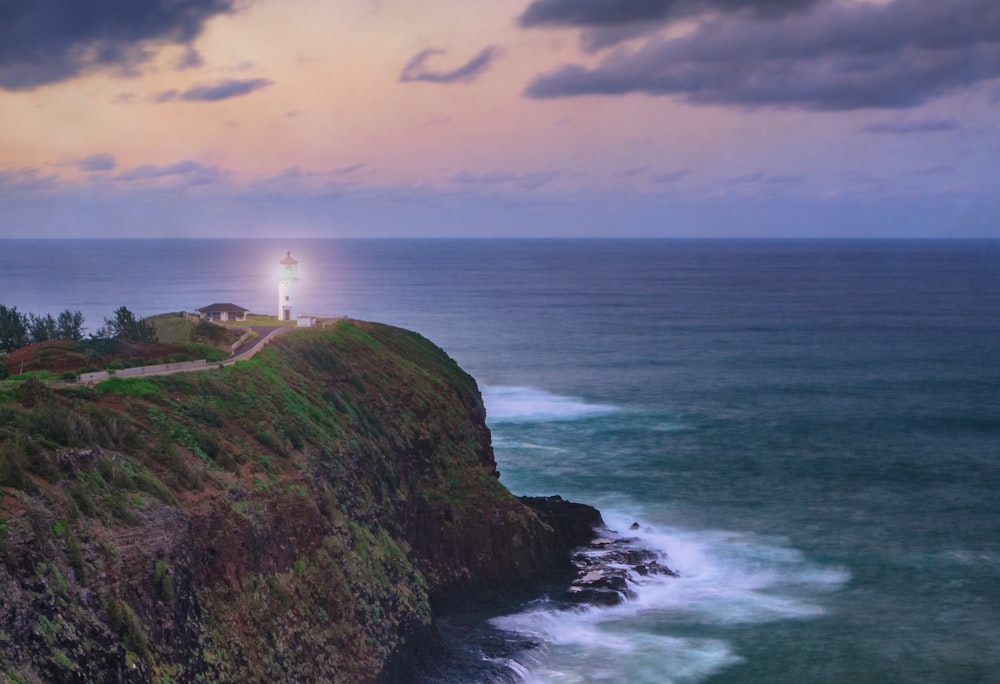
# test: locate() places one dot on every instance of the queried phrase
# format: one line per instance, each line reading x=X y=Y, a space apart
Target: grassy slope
x=295 y=516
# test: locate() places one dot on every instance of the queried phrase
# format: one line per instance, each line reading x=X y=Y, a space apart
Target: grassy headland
x=297 y=516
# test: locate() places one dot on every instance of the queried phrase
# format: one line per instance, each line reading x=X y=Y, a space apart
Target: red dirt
x=59 y=356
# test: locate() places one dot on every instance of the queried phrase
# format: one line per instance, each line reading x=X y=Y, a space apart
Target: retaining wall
x=159 y=369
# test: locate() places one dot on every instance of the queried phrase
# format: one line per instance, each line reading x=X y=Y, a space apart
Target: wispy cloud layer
x=416 y=69
x=912 y=126
x=193 y=172
x=526 y=181
x=55 y=40
x=213 y=92
x=97 y=162
x=835 y=56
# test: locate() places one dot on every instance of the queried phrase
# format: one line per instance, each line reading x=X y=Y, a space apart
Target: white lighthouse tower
x=288 y=285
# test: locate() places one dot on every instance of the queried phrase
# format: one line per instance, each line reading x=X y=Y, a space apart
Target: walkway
x=247 y=351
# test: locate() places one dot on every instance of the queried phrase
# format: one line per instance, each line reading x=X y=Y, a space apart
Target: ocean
x=807 y=431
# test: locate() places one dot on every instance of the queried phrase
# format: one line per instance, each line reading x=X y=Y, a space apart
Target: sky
x=540 y=118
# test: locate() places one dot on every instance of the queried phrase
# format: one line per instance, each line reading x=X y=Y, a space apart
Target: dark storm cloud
x=835 y=57
x=54 y=40
x=608 y=22
x=601 y=13
x=415 y=69
x=97 y=162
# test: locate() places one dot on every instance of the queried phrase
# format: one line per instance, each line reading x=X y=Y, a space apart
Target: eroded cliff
x=301 y=516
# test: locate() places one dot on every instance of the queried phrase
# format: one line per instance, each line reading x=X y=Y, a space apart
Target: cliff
x=299 y=517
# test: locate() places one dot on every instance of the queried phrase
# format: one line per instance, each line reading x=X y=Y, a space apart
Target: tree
x=41 y=328
x=69 y=325
x=125 y=326
x=13 y=329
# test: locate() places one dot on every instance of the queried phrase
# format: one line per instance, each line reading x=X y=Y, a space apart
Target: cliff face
x=301 y=516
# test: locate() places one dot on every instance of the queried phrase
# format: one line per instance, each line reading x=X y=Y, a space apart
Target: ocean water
x=809 y=432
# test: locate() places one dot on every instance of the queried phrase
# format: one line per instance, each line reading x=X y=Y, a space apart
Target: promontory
x=302 y=516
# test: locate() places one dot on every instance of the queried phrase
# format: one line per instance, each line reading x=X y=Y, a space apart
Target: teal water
x=809 y=431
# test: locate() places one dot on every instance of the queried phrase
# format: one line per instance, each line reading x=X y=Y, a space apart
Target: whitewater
x=726 y=577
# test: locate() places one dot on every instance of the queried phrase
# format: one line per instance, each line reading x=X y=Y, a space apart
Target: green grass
x=172 y=329
x=259 y=320
x=130 y=387
x=43 y=375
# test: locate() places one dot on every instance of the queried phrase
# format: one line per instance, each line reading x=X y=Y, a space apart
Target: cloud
x=608 y=22
x=415 y=69
x=586 y=13
x=213 y=92
x=670 y=176
x=492 y=178
x=527 y=181
x=56 y=40
x=345 y=170
x=21 y=182
x=190 y=59
x=191 y=171
x=633 y=172
x=97 y=162
x=836 y=56
x=912 y=126
x=932 y=170
x=165 y=96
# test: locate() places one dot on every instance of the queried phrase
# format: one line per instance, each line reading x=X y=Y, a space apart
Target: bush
x=84 y=501
x=69 y=376
x=204 y=331
x=163 y=580
x=11 y=470
x=126 y=624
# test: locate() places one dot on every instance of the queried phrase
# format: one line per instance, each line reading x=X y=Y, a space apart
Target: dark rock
x=574 y=523
x=608 y=568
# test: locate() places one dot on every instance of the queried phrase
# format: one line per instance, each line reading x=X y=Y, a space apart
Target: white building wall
x=287 y=298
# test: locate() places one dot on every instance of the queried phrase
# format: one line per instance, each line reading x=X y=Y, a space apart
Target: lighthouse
x=288 y=285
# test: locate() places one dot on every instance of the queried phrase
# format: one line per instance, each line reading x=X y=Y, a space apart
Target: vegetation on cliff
x=300 y=516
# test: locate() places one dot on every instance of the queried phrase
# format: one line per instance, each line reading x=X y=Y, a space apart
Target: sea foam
x=726 y=579
x=532 y=405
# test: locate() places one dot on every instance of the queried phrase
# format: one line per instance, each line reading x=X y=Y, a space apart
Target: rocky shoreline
x=605 y=563
x=605 y=567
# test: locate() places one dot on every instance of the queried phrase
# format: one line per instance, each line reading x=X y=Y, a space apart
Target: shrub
x=205 y=331
x=163 y=580
x=11 y=469
x=124 y=622
x=82 y=498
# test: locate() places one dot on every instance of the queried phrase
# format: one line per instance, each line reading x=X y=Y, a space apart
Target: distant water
x=809 y=430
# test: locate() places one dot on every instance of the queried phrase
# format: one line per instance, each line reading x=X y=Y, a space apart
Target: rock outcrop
x=303 y=516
